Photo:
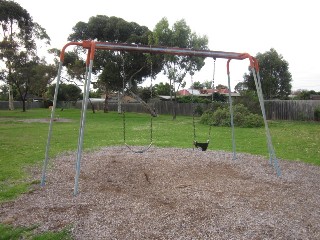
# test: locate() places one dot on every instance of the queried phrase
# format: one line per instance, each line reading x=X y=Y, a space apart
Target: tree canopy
x=114 y=29
x=162 y=89
x=180 y=35
x=67 y=92
x=18 y=49
x=275 y=76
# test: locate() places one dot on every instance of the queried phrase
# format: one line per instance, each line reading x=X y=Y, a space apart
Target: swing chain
x=212 y=87
x=123 y=111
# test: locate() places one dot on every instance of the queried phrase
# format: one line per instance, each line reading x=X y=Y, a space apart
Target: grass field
x=23 y=138
x=23 y=141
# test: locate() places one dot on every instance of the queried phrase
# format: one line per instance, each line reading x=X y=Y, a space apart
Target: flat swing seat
x=202 y=146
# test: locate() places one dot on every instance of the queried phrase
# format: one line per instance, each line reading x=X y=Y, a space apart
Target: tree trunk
x=152 y=111
x=105 y=107
x=174 y=110
x=119 y=103
x=92 y=106
x=23 y=105
x=11 y=106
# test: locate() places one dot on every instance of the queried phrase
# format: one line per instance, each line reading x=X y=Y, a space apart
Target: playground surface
x=172 y=193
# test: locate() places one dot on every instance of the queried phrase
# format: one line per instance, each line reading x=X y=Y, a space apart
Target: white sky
x=252 y=26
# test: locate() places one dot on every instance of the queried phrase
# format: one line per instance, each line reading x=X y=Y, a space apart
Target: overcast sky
x=252 y=26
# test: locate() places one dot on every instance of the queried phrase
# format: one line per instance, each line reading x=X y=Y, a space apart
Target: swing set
x=92 y=46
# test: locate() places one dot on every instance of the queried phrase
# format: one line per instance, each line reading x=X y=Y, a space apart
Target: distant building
x=207 y=92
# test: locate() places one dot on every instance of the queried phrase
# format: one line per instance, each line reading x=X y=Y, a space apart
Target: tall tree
x=132 y=68
x=19 y=33
x=275 y=76
x=30 y=75
x=180 y=35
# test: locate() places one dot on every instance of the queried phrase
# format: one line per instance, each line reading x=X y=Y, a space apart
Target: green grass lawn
x=22 y=143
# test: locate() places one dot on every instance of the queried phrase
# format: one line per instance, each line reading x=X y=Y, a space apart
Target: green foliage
x=317 y=114
x=275 y=76
x=4 y=91
x=8 y=232
x=67 y=92
x=305 y=94
x=162 y=89
x=145 y=94
x=241 y=117
x=250 y=100
x=217 y=97
x=18 y=45
x=198 y=110
x=192 y=99
x=95 y=94
x=179 y=35
x=110 y=66
x=197 y=85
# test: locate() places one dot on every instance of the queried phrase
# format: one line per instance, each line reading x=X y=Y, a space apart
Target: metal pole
x=166 y=50
x=272 y=154
x=234 y=157
x=45 y=163
x=82 y=126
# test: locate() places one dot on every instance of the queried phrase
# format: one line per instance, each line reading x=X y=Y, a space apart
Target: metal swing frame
x=92 y=46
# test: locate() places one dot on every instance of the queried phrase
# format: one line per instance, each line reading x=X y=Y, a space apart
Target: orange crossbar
x=92 y=46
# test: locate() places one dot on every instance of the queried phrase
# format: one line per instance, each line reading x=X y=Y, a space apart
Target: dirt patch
x=45 y=120
x=35 y=120
x=170 y=193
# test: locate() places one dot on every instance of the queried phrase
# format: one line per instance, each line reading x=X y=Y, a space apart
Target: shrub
x=317 y=114
x=198 y=110
x=241 y=117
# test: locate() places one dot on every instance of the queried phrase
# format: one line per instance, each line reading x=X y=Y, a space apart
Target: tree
x=220 y=86
x=132 y=68
x=180 y=35
x=305 y=94
x=275 y=76
x=4 y=91
x=30 y=75
x=208 y=84
x=197 y=85
x=240 y=87
x=19 y=40
x=67 y=92
x=162 y=89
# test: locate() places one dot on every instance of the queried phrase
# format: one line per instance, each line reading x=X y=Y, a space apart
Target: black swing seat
x=202 y=146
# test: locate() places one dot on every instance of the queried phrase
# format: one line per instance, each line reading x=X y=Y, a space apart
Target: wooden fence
x=275 y=109
x=166 y=107
x=291 y=109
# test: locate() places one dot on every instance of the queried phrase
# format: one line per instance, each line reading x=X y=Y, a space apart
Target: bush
x=198 y=110
x=317 y=114
x=250 y=100
x=241 y=117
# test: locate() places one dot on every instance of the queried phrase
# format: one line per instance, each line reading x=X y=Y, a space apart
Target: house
x=186 y=92
x=207 y=92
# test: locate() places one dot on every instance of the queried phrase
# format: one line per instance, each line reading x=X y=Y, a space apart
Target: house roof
x=184 y=92
x=207 y=92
